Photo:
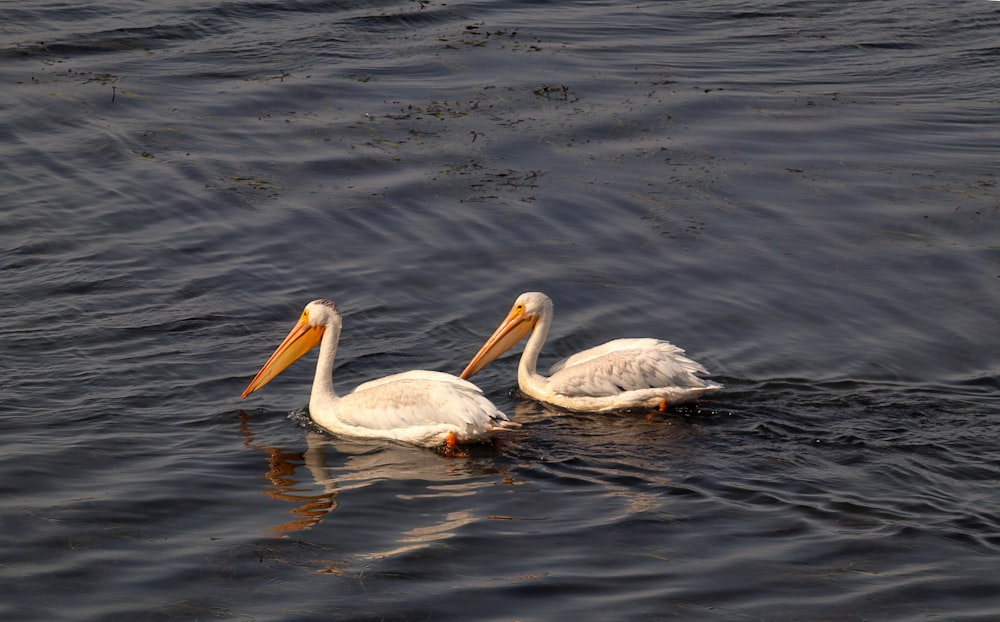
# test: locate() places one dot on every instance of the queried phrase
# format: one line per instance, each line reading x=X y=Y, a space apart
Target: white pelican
x=624 y=373
x=426 y=408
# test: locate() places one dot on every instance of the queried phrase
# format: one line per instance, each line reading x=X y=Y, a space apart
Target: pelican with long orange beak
x=425 y=408
x=618 y=375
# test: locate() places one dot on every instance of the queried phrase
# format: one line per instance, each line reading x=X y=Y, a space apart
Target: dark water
x=801 y=194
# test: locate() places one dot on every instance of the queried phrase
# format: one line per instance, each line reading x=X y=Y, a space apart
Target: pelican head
x=528 y=309
x=316 y=318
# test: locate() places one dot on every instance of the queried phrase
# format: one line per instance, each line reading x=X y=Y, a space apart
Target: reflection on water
x=627 y=435
x=334 y=467
x=283 y=486
x=416 y=498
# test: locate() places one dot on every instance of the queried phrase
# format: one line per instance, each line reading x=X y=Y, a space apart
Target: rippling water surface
x=803 y=195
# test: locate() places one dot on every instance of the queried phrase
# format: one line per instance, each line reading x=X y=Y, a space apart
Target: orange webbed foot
x=450 y=448
x=663 y=406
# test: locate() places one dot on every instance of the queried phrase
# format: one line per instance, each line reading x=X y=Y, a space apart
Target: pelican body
x=425 y=408
x=620 y=374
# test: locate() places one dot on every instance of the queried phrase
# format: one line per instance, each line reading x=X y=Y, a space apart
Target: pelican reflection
x=284 y=486
x=315 y=479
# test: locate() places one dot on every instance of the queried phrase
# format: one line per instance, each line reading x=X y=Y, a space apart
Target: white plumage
x=426 y=408
x=624 y=373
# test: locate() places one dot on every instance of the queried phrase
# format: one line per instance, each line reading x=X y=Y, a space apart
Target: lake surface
x=803 y=195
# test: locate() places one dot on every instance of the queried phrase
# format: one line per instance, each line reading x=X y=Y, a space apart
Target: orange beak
x=300 y=340
x=515 y=327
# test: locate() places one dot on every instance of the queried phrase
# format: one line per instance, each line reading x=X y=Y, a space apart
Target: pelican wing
x=422 y=375
x=417 y=399
x=625 y=365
